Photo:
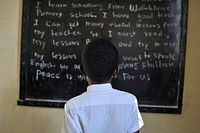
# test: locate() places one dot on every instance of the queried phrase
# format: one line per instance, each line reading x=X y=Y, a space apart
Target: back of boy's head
x=99 y=60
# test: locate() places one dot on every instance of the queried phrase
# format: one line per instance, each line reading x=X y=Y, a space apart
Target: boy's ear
x=81 y=69
x=116 y=71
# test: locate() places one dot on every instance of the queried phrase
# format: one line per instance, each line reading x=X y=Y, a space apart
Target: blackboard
x=150 y=36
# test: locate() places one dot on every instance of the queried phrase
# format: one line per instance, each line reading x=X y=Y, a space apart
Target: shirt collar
x=99 y=87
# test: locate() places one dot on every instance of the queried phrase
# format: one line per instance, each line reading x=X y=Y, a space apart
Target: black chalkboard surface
x=149 y=34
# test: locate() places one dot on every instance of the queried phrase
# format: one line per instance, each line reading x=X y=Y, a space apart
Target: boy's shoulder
x=73 y=101
x=114 y=95
x=126 y=95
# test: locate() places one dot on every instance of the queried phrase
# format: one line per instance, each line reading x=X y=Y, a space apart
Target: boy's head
x=99 y=60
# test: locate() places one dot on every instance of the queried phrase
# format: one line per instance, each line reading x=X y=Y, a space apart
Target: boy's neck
x=92 y=82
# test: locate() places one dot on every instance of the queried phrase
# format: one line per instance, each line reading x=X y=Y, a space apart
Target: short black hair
x=99 y=60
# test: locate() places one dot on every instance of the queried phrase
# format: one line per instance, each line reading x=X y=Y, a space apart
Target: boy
x=101 y=109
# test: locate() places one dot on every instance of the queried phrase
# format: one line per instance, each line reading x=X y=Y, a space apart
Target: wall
x=22 y=119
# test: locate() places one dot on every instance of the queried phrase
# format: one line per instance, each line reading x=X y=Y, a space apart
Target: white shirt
x=102 y=109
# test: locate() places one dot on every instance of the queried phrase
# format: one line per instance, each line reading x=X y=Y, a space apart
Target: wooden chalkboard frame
x=60 y=104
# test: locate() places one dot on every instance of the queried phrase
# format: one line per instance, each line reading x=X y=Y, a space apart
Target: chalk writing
x=40 y=43
x=143 y=7
x=40 y=33
x=73 y=24
x=82 y=15
x=94 y=24
x=57 y=5
x=120 y=15
x=115 y=6
x=156 y=64
x=64 y=33
x=53 y=24
x=120 y=25
x=126 y=34
x=99 y=17
x=42 y=64
x=153 y=33
x=41 y=13
x=87 y=5
x=60 y=56
x=148 y=25
x=166 y=15
x=133 y=24
x=64 y=43
x=147 y=34
x=125 y=44
x=43 y=74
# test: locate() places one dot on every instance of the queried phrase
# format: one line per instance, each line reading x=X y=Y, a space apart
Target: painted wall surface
x=22 y=119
